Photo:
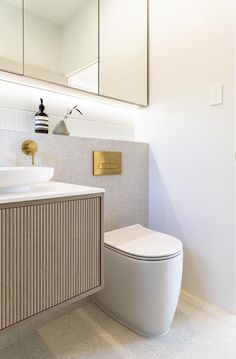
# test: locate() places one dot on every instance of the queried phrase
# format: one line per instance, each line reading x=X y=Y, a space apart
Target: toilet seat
x=142 y=243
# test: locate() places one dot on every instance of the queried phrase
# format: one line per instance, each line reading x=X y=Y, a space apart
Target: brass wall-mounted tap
x=30 y=148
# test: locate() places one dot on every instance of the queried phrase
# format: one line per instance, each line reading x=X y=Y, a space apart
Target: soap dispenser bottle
x=41 y=122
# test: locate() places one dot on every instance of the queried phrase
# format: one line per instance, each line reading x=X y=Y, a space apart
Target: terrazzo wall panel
x=126 y=197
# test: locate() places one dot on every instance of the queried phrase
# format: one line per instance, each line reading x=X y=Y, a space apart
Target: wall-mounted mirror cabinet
x=61 y=42
x=11 y=36
x=98 y=46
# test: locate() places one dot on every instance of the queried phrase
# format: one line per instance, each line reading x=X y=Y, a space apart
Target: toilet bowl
x=143 y=274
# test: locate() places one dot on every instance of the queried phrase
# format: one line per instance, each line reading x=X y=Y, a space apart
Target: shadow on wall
x=163 y=217
x=199 y=272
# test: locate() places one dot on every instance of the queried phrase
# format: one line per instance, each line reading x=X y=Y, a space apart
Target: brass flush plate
x=107 y=163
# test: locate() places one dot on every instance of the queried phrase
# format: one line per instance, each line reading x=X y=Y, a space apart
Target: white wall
x=192 y=180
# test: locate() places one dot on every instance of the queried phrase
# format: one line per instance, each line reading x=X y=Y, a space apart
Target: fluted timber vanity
x=51 y=248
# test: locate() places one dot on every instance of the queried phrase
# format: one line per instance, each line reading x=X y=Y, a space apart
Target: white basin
x=17 y=179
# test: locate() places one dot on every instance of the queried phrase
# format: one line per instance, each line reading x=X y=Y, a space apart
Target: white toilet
x=143 y=274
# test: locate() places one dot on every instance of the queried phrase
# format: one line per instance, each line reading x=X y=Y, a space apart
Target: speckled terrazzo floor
x=199 y=331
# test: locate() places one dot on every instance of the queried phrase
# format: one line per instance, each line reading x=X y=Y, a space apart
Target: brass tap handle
x=30 y=148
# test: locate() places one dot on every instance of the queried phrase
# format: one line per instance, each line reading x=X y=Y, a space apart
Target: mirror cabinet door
x=124 y=50
x=64 y=44
x=11 y=36
x=61 y=42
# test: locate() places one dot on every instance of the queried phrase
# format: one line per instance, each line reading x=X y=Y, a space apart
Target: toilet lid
x=139 y=241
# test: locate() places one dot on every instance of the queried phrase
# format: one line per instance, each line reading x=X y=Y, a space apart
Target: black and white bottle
x=41 y=119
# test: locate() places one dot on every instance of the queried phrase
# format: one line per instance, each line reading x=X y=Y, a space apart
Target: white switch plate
x=216 y=94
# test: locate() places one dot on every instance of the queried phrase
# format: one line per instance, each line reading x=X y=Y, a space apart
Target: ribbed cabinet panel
x=49 y=253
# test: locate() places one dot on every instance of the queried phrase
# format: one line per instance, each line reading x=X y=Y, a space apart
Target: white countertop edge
x=49 y=190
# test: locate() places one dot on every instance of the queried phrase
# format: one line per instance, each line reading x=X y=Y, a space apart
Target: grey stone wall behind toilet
x=126 y=197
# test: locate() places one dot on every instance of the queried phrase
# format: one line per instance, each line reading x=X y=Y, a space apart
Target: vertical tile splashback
x=12 y=119
x=19 y=103
x=19 y=120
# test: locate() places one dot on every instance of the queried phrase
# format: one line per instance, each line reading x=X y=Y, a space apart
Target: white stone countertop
x=49 y=190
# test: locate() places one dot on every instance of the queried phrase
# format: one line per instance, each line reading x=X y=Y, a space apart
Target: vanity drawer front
x=50 y=253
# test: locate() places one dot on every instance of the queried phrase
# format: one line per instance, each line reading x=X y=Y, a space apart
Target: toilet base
x=127 y=325
x=141 y=294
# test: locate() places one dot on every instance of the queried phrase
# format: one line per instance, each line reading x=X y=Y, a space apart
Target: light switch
x=216 y=94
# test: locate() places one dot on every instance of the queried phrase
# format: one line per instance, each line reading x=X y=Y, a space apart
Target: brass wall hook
x=29 y=148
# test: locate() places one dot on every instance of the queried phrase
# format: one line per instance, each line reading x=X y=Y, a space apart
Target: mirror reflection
x=123 y=50
x=61 y=42
x=11 y=39
x=97 y=46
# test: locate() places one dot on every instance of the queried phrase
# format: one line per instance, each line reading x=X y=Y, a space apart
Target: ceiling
x=55 y=11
